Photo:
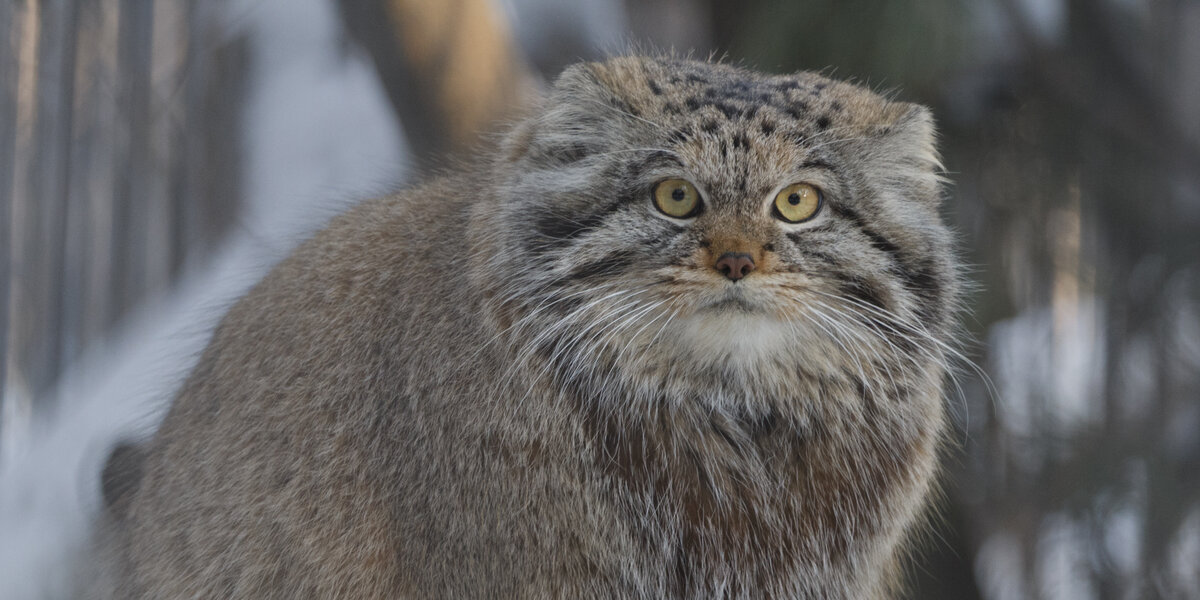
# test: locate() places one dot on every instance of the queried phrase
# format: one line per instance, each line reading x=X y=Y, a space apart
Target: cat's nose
x=735 y=265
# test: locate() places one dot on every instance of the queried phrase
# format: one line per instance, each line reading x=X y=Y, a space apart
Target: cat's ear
x=911 y=133
x=571 y=122
x=901 y=151
x=579 y=81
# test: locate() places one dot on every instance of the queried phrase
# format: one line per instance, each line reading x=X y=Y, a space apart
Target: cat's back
x=364 y=292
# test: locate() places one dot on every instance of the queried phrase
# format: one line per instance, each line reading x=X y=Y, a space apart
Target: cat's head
x=692 y=226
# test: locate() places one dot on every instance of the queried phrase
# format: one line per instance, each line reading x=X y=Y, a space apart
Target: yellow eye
x=798 y=202
x=677 y=198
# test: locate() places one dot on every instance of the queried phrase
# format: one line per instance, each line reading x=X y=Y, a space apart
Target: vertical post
x=180 y=196
x=129 y=197
x=48 y=188
x=10 y=43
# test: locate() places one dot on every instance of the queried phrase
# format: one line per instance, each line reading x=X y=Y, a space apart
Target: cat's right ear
x=570 y=123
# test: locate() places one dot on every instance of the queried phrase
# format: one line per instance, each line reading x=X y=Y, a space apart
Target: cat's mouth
x=735 y=303
x=736 y=300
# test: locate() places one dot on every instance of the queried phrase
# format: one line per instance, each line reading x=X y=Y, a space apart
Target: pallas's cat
x=682 y=333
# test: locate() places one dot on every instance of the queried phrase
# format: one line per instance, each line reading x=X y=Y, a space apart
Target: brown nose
x=735 y=265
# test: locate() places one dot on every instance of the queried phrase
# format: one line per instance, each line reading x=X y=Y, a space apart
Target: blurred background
x=158 y=156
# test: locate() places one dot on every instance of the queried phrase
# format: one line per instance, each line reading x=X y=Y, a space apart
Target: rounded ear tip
x=909 y=113
x=574 y=75
x=912 y=119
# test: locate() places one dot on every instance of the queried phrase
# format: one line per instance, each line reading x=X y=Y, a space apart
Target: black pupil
x=794 y=199
x=677 y=194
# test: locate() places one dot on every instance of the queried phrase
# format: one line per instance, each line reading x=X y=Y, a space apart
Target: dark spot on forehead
x=654 y=89
x=797 y=110
x=823 y=122
x=836 y=105
x=767 y=127
x=728 y=110
x=744 y=92
x=672 y=108
x=709 y=126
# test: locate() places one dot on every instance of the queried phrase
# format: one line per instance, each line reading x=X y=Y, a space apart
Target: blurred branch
x=449 y=68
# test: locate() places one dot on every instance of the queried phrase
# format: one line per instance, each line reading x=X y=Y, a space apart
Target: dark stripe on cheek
x=920 y=279
x=608 y=266
x=882 y=244
x=819 y=256
x=664 y=241
x=923 y=282
x=557 y=228
x=861 y=290
x=798 y=237
x=878 y=241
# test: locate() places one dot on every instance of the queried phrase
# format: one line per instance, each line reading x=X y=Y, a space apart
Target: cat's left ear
x=571 y=122
x=911 y=134
x=904 y=143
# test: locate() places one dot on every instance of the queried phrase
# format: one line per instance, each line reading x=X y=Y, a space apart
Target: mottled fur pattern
x=522 y=380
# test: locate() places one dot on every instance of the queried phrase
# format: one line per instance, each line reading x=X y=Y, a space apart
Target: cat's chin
x=734 y=331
